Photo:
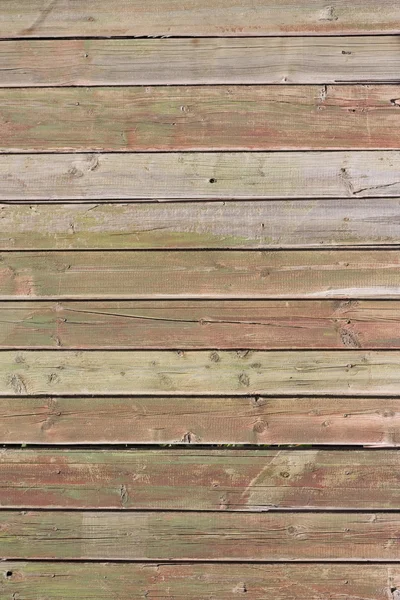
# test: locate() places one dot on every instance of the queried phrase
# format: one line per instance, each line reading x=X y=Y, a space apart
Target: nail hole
x=212 y=180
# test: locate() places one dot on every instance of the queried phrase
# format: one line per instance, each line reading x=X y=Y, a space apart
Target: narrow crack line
x=172 y=320
x=376 y=187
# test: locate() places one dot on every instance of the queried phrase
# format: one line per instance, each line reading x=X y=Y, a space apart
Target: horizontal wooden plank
x=205 y=536
x=200 y=420
x=31 y=19
x=206 y=274
x=134 y=581
x=224 y=176
x=199 y=118
x=169 y=225
x=285 y=60
x=201 y=324
x=229 y=480
x=138 y=372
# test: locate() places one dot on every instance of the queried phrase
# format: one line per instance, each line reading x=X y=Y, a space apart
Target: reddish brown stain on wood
x=223 y=18
x=230 y=480
x=202 y=536
x=199 y=118
x=132 y=581
x=201 y=420
x=192 y=324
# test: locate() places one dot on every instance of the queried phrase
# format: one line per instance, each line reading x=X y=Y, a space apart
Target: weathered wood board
x=212 y=175
x=200 y=118
x=228 y=480
x=241 y=372
x=182 y=61
x=134 y=581
x=206 y=274
x=199 y=300
x=201 y=420
x=257 y=224
x=225 y=18
x=199 y=536
x=193 y=324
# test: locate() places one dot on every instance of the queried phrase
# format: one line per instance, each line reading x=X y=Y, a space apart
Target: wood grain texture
x=284 y=60
x=32 y=18
x=35 y=372
x=248 y=225
x=228 y=480
x=224 y=176
x=209 y=274
x=201 y=324
x=200 y=420
x=134 y=581
x=205 y=536
x=199 y=118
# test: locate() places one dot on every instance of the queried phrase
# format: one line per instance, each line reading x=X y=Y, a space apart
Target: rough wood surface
x=229 y=480
x=200 y=420
x=201 y=324
x=216 y=175
x=205 y=536
x=199 y=118
x=68 y=581
x=247 y=225
x=284 y=60
x=35 y=19
x=36 y=372
x=195 y=274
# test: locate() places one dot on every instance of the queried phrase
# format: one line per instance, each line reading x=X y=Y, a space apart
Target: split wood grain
x=191 y=324
x=200 y=225
x=215 y=175
x=127 y=119
x=134 y=581
x=200 y=420
x=287 y=274
x=135 y=372
x=284 y=60
x=228 y=480
x=33 y=19
x=199 y=536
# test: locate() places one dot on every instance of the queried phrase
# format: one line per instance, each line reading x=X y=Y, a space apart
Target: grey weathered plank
x=33 y=19
x=134 y=373
x=134 y=581
x=200 y=420
x=205 y=536
x=228 y=480
x=190 y=274
x=192 y=324
x=127 y=119
x=248 y=225
x=284 y=60
x=226 y=175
